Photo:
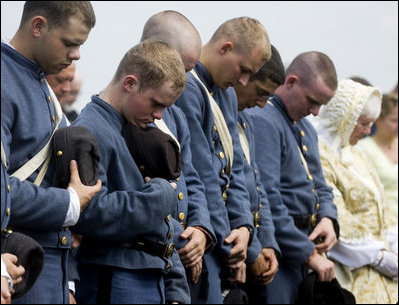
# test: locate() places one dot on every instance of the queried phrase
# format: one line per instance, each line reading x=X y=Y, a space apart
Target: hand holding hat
x=75 y=143
x=30 y=256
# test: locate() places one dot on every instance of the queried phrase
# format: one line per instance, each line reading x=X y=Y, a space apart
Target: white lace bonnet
x=337 y=120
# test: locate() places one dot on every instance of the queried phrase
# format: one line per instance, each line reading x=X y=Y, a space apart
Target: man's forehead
x=256 y=58
x=321 y=91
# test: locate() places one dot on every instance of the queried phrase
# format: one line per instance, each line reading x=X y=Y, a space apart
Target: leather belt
x=156 y=248
x=305 y=221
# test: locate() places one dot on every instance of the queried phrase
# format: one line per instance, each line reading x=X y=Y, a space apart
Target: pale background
x=361 y=37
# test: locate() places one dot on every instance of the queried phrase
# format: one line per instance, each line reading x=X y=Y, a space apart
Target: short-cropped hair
x=153 y=62
x=58 y=13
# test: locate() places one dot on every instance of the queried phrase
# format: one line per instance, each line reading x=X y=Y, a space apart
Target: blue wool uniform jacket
x=257 y=193
x=206 y=149
x=5 y=198
x=27 y=121
x=191 y=210
x=126 y=207
x=289 y=189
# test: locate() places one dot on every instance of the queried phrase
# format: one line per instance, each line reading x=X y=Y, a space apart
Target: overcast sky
x=361 y=37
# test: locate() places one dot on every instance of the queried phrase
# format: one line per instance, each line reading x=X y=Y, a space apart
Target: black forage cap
x=75 y=143
x=155 y=153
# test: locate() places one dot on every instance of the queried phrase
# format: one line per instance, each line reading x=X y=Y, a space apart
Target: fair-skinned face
x=55 y=49
x=389 y=124
x=61 y=82
x=71 y=97
x=362 y=128
x=255 y=93
x=305 y=100
x=142 y=107
x=235 y=68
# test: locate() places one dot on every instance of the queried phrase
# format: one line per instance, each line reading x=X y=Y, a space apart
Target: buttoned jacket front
x=260 y=206
x=192 y=209
x=228 y=200
x=28 y=120
x=290 y=189
x=126 y=207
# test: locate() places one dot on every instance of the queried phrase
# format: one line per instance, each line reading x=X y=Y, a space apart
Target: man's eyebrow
x=312 y=100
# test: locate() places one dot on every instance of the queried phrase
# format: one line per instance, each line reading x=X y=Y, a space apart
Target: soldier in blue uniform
x=259 y=88
x=230 y=57
x=47 y=41
x=10 y=273
x=288 y=159
x=127 y=230
x=194 y=233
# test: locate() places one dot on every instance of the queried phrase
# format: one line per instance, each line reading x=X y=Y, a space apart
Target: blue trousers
x=51 y=287
x=144 y=286
x=214 y=270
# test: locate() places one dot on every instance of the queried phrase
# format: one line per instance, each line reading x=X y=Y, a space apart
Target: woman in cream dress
x=382 y=149
x=365 y=262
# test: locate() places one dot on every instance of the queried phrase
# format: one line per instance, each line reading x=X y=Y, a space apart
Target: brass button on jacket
x=224 y=195
x=313 y=220
x=256 y=219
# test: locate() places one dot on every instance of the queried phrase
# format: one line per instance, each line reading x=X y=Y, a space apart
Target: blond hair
x=246 y=33
x=154 y=63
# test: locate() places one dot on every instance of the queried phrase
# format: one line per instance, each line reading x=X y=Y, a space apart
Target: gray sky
x=361 y=37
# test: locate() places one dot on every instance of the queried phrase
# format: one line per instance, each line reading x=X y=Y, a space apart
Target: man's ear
x=38 y=23
x=130 y=81
x=226 y=47
x=290 y=80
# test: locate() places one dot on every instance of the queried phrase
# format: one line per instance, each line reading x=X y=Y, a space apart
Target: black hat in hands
x=313 y=291
x=75 y=143
x=155 y=153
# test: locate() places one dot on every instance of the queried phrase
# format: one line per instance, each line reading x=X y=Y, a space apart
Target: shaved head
x=176 y=30
x=310 y=65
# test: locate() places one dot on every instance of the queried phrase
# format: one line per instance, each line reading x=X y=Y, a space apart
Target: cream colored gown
x=358 y=194
x=361 y=219
x=388 y=173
